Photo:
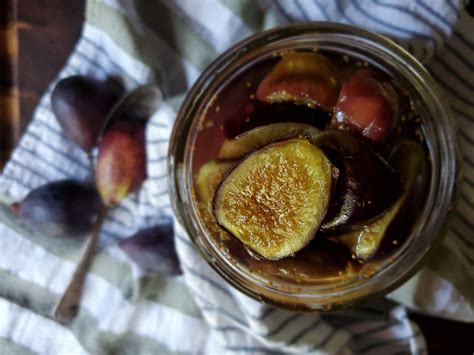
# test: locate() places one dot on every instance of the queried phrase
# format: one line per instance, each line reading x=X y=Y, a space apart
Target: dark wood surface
x=48 y=30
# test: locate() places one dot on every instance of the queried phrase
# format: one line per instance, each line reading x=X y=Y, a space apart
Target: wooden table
x=47 y=32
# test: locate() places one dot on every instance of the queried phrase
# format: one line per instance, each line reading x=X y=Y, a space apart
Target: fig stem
x=68 y=305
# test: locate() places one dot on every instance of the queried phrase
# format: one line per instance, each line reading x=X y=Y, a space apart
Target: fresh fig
x=368 y=105
x=121 y=162
x=366 y=184
x=81 y=105
x=210 y=176
x=276 y=198
x=153 y=250
x=60 y=209
x=409 y=161
x=259 y=137
x=303 y=78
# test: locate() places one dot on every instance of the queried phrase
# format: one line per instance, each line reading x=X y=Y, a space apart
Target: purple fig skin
x=153 y=250
x=65 y=208
x=121 y=163
x=81 y=105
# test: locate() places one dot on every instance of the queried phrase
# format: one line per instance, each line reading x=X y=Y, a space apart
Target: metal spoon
x=139 y=104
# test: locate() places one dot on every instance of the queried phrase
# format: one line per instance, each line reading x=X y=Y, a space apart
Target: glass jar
x=438 y=129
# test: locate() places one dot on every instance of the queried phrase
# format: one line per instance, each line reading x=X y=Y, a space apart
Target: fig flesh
x=259 y=137
x=409 y=161
x=81 y=106
x=66 y=208
x=209 y=177
x=153 y=249
x=275 y=199
x=121 y=162
x=366 y=185
x=369 y=105
x=303 y=78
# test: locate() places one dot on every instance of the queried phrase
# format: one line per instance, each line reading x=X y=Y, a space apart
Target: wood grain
x=9 y=103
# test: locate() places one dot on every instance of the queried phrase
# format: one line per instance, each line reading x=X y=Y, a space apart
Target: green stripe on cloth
x=173 y=293
x=9 y=347
x=176 y=33
x=84 y=326
x=171 y=29
x=122 y=32
x=447 y=264
x=247 y=10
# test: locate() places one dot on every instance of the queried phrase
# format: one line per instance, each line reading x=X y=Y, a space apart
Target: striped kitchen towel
x=127 y=310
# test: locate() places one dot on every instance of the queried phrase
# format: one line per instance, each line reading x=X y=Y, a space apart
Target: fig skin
x=81 y=106
x=121 y=162
x=210 y=176
x=369 y=105
x=153 y=250
x=409 y=161
x=66 y=208
x=366 y=184
x=305 y=78
x=276 y=198
x=259 y=137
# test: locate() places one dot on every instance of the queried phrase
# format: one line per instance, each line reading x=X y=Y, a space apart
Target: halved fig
x=409 y=161
x=303 y=78
x=259 y=137
x=369 y=105
x=209 y=177
x=366 y=185
x=275 y=199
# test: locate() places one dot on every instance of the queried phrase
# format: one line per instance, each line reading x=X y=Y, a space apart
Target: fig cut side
x=305 y=78
x=259 y=137
x=275 y=199
x=409 y=161
x=368 y=105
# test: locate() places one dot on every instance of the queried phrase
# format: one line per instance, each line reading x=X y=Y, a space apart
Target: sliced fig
x=259 y=137
x=275 y=199
x=366 y=185
x=209 y=177
x=303 y=78
x=409 y=161
x=369 y=105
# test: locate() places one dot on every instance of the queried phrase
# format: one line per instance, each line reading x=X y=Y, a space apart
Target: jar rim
x=441 y=140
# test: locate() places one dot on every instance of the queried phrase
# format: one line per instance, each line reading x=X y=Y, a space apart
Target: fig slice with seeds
x=275 y=199
x=259 y=137
x=210 y=176
x=305 y=78
x=409 y=161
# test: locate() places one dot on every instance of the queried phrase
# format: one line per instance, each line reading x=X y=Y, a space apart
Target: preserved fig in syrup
x=298 y=184
x=303 y=78
x=256 y=138
x=275 y=199
x=361 y=192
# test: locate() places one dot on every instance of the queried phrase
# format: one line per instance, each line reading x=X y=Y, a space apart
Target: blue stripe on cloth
x=321 y=9
x=282 y=11
x=119 y=68
x=379 y=344
x=459 y=235
x=379 y=328
x=304 y=331
x=301 y=10
x=214 y=284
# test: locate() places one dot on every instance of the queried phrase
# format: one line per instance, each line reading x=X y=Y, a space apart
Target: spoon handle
x=68 y=305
